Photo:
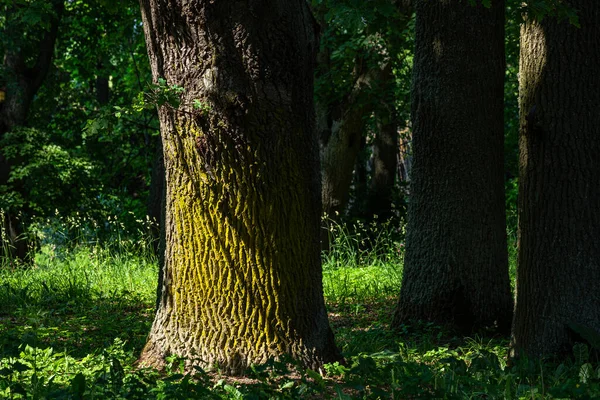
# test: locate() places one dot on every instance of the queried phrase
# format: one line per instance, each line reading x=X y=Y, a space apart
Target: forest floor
x=72 y=326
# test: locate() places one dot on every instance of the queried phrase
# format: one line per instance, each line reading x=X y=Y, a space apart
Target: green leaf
x=586 y=372
x=288 y=385
x=581 y=353
x=316 y=376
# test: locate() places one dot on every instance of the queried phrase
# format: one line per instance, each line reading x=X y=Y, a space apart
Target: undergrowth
x=72 y=325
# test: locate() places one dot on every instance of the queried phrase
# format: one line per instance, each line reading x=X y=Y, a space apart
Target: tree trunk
x=405 y=156
x=383 y=174
x=156 y=212
x=385 y=156
x=24 y=83
x=456 y=270
x=359 y=186
x=242 y=271
x=558 y=297
x=340 y=151
x=156 y=196
x=102 y=84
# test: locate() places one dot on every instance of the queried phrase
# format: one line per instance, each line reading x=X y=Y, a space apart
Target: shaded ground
x=79 y=325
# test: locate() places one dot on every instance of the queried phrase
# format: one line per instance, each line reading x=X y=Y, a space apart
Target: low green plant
x=363 y=263
x=73 y=324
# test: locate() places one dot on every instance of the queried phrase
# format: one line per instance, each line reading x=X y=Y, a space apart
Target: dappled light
x=291 y=199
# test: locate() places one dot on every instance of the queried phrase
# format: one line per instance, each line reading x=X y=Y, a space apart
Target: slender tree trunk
x=156 y=211
x=102 y=84
x=558 y=292
x=359 y=186
x=242 y=272
x=383 y=174
x=21 y=89
x=405 y=156
x=156 y=195
x=385 y=156
x=455 y=270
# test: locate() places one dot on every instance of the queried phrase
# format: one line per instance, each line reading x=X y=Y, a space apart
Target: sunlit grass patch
x=73 y=324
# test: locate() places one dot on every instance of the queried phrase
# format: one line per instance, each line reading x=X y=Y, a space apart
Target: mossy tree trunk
x=558 y=292
x=455 y=270
x=242 y=270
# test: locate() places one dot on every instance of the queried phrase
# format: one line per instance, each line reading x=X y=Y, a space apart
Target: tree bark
x=242 y=271
x=558 y=296
x=456 y=270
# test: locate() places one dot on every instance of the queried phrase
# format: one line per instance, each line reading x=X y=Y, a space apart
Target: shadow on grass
x=75 y=320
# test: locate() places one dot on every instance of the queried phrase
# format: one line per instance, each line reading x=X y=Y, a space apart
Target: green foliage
x=101 y=167
x=158 y=95
x=22 y=24
x=511 y=88
x=72 y=326
x=559 y=9
x=47 y=175
x=357 y=36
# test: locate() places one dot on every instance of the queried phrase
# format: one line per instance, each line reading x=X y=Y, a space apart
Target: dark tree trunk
x=242 y=271
x=156 y=211
x=102 y=83
x=13 y=112
x=359 y=187
x=558 y=292
x=156 y=195
x=385 y=156
x=455 y=270
x=383 y=174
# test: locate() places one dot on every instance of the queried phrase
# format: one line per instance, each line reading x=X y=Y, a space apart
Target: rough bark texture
x=456 y=269
x=558 y=292
x=23 y=83
x=242 y=272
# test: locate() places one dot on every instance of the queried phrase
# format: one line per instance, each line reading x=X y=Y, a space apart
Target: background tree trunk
x=385 y=156
x=156 y=212
x=22 y=83
x=455 y=270
x=558 y=292
x=242 y=272
x=340 y=151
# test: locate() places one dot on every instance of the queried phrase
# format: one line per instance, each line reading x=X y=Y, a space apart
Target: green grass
x=72 y=326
